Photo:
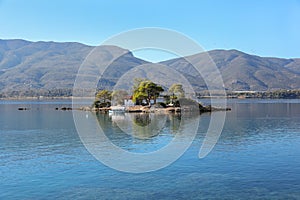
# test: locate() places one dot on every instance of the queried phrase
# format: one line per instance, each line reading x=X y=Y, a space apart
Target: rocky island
x=148 y=97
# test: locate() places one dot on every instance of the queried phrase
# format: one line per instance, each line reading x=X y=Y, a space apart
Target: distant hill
x=241 y=71
x=46 y=66
x=33 y=65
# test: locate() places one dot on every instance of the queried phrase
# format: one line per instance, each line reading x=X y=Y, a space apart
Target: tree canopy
x=146 y=90
x=103 y=96
x=103 y=99
x=176 y=91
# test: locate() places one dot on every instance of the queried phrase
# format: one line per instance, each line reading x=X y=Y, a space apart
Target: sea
x=256 y=156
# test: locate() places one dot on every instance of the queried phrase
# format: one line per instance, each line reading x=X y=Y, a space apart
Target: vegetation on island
x=102 y=99
x=145 y=90
x=144 y=96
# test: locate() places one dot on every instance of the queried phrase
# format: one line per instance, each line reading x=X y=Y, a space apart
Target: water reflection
x=139 y=125
x=142 y=119
x=258 y=148
x=253 y=123
x=162 y=138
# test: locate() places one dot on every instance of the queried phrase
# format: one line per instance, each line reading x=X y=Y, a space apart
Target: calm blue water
x=257 y=157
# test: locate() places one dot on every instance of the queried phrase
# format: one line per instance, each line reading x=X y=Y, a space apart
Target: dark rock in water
x=212 y=109
x=65 y=108
x=23 y=108
x=135 y=111
x=56 y=108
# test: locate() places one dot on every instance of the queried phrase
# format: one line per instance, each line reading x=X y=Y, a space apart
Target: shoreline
x=148 y=109
x=44 y=98
x=71 y=98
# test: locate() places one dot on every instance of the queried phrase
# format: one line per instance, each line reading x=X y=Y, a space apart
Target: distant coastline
x=36 y=98
x=33 y=69
x=276 y=94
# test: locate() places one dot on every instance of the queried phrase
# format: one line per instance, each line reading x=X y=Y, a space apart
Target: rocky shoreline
x=148 y=109
x=142 y=109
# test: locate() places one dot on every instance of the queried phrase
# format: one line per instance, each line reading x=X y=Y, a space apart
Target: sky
x=264 y=28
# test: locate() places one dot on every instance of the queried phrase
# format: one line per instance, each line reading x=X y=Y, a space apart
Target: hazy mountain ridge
x=28 y=65
x=259 y=73
x=50 y=65
x=36 y=65
x=241 y=71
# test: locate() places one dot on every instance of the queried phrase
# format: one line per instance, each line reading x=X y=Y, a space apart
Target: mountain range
x=26 y=65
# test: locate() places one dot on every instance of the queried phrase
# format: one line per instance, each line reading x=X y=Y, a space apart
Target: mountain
x=35 y=65
x=241 y=71
x=45 y=66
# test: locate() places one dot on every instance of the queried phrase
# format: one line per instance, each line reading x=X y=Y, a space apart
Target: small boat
x=117 y=109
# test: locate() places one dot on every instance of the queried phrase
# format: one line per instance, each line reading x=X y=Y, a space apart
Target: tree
x=103 y=99
x=137 y=82
x=138 y=96
x=146 y=90
x=176 y=91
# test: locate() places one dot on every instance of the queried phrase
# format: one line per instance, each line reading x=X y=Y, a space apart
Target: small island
x=148 y=97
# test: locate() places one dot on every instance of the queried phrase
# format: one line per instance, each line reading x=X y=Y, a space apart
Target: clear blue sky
x=265 y=28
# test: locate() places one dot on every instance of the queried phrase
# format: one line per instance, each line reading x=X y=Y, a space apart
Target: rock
x=66 y=108
x=177 y=109
x=145 y=109
x=212 y=109
x=95 y=109
x=134 y=109
x=23 y=108
x=170 y=109
x=86 y=108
